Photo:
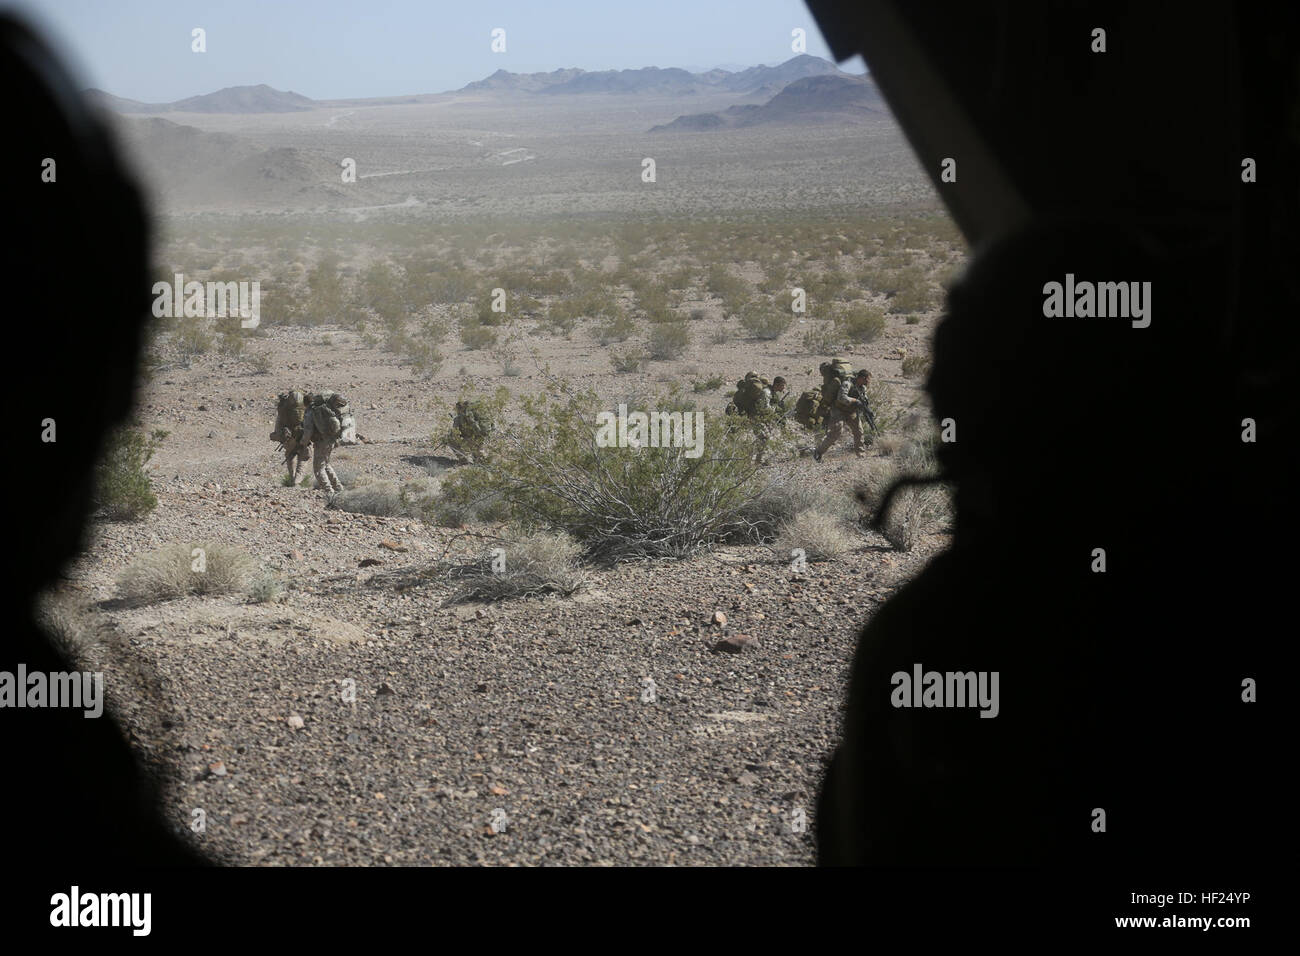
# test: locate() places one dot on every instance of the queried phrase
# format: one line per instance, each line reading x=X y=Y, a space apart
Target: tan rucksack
x=834 y=374
x=748 y=390
x=808 y=409
x=290 y=409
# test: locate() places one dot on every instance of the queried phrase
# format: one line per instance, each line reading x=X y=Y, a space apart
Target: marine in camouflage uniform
x=849 y=404
x=288 y=432
x=322 y=447
x=768 y=406
x=296 y=452
x=469 y=429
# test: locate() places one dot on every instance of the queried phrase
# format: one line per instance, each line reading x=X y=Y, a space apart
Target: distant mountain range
x=759 y=80
x=841 y=98
x=755 y=81
x=233 y=99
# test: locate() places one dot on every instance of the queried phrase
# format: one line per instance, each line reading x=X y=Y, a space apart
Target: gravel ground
x=362 y=722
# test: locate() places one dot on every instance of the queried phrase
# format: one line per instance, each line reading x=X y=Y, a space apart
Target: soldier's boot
x=335 y=486
x=832 y=434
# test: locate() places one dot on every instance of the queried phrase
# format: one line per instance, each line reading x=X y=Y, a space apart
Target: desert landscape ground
x=350 y=695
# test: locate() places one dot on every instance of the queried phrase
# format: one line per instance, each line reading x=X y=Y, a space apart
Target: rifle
x=864 y=411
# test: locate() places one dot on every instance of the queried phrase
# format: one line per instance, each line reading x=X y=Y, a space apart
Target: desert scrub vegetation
x=722 y=283
x=915 y=365
x=786 y=495
x=259 y=362
x=628 y=361
x=916 y=509
x=388 y=499
x=618 y=503
x=913 y=293
x=889 y=411
x=859 y=323
x=820 y=536
x=668 y=340
x=475 y=336
x=617 y=327
x=523 y=566
x=180 y=569
x=265 y=589
x=192 y=339
x=765 y=320
x=123 y=491
x=822 y=339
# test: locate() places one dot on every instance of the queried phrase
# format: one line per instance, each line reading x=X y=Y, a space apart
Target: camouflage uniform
x=321 y=448
x=468 y=430
x=295 y=453
x=769 y=405
x=852 y=395
x=289 y=435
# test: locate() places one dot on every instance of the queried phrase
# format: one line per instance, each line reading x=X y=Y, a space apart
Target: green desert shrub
x=859 y=323
x=123 y=491
x=724 y=284
x=617 y=327
x=260 y=362
x=786 y=495
x=475 y=336
x=668 y=340
x=764 y=320
x=265 y=589
x=555 y=472
x=915 y=365
x=193 y=339
x=628 y=361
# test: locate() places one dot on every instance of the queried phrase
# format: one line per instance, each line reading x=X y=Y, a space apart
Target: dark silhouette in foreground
x=1122 y=692
x=76 y=272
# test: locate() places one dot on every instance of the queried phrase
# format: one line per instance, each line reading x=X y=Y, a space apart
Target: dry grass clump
x=181 y=569
x=915 y=365
x=784 y=498
x=388 y=499
x=916 y=510
x=820 y=536
x=525 y=565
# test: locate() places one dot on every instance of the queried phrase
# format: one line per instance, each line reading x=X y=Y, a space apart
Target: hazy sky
x=329 y=49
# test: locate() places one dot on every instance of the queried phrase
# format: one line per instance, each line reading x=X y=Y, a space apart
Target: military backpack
x=290 y=408
x=748 y=391
x=808 y=410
